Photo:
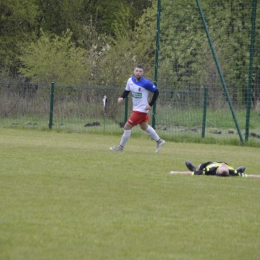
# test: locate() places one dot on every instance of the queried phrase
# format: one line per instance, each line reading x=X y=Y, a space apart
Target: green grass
x=67 y=196
x=172 y=124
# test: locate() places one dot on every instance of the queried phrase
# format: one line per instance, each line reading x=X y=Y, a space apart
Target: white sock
x=125 y=137
x=151 y=132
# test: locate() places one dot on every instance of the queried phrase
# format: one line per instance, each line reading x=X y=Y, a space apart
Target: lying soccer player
x=221 y=169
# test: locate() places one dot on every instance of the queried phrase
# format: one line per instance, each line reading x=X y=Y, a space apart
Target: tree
x=17 y=23
x=104 y=12
x=54 y=58
x=58 y=16
x=185 y=56
x=113 y=58
x=21 y=21
x=106 y=59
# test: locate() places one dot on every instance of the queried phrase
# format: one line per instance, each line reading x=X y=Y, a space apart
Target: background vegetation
x=95 y=44
x=29 y=30
x=98 y=42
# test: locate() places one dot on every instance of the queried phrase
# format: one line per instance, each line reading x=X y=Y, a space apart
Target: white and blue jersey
x=140 y=91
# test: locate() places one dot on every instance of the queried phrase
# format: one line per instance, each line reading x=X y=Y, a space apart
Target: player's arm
x=251 y=176
x=184 y=172
x=123 y=96
x=154 y=98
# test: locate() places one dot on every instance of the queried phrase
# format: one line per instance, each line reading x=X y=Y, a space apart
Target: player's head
x=138 y=71
x=222 y=170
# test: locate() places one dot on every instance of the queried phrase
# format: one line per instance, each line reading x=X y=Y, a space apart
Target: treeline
x=51 y=40
x=186 y=59
x=98 y=42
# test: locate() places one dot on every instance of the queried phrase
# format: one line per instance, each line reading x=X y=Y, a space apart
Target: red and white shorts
x=137 y=118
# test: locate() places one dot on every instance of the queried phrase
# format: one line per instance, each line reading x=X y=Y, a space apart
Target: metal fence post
x=156 y=56
x=204 y=112
x=250 y=72
x=126 y=109
x=51 y=105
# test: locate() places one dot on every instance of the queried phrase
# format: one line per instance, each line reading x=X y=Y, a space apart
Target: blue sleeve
x=150 y=86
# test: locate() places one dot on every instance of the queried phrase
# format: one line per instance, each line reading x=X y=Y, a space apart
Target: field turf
x=67 y=196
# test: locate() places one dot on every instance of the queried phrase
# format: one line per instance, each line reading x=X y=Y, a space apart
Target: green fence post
x=126 y=109
x=219 y=71
x=156 y=56
x=51 y=105
x=249 y=89
x=204 y=112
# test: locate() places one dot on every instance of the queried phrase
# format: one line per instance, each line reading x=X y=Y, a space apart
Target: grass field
x=67 y=196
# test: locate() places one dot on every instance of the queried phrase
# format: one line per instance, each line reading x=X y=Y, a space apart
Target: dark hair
x=139 y=67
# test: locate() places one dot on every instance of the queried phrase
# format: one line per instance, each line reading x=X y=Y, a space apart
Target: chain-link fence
x=180 y=114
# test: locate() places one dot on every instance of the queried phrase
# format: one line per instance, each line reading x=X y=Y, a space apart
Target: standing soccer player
x=140 y=88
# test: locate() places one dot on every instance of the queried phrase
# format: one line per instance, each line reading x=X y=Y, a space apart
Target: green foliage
x=18 y=20
x=129 y=47
x=108 y=60
x=112 y=58
x=54 y=59
x=21 y=21
x=116 y=35
x=106 y=12
x=59 y=16
x=185 y=56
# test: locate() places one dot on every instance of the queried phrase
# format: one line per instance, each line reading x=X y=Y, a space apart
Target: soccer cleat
x=190 y=166
x=160 y=143
x=118 y=148
x=241 y=169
